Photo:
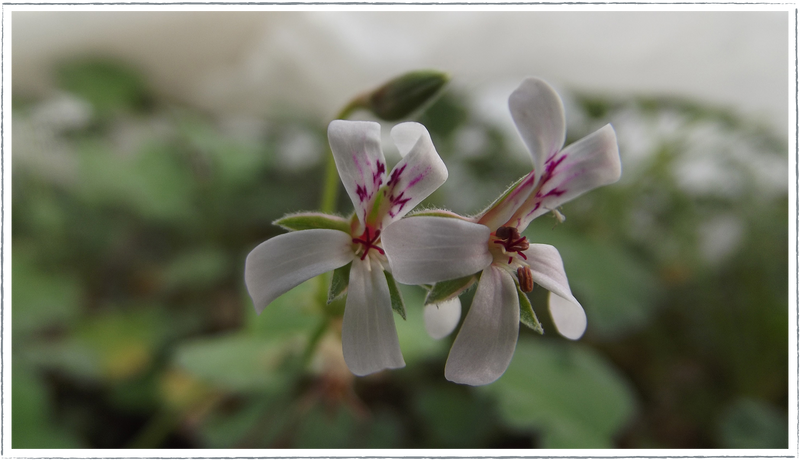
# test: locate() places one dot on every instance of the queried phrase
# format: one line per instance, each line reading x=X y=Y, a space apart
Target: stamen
x=369 y=242
x=525 y=278
x=511 y=242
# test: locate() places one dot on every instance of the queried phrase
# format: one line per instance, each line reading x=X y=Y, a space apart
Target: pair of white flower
x=440 y=246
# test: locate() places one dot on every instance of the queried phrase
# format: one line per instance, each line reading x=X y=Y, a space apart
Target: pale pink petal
x=585 y=165
x=369 y=337
x=425 y=250
x=356 y=147
x=442 y=318
x=417 y=175
x=538 y=112
x=487 y=339
x=547 y=270
x=568 y=316
x=284 y=261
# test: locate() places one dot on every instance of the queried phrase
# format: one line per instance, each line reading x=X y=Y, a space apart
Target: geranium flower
x=324 y=243
x=430 y=248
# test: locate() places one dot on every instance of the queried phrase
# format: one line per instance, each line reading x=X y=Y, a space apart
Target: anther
x=525 y=278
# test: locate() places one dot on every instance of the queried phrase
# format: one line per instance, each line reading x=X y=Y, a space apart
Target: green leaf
x=394 y=293
x=31 y=414
x=568 y=391
x=339 y=283
x=446 y=290
x=107 y=85
x=312 y=220
x=752 y=424
x=526 y=313
x=236 y=362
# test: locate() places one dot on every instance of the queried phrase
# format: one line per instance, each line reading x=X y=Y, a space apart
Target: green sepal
x=394 y=292
x=446 y=290
x=339 y=282
x=504 y=195
x=313 y=220
x=437 y=213
x=526 y=314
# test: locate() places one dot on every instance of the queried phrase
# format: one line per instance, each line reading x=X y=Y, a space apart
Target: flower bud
x=403 y=95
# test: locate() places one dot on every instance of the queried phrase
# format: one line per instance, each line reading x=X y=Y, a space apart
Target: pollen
x=525 y=278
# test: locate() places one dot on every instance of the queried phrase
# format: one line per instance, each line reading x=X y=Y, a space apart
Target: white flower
x=429 y=249
x=369 y=338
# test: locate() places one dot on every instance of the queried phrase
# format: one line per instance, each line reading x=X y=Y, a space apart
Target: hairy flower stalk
x=430 y=249
x=323 y=242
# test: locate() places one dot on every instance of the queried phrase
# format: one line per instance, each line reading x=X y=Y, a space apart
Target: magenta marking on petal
x=396 y=175
x=377 y=176
x=361 y=192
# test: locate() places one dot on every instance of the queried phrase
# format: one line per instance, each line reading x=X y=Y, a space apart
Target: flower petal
x=417 y=175
x=442 y=318
x=547 y=270
x=568 y=316
x=356 y=147
x=424 y=250
x=369 y=337
x=585 y=165
x=487 y=339
x=538 y=112
x=284 y=261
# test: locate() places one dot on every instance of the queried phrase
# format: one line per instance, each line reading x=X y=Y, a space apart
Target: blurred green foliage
x=132 y=216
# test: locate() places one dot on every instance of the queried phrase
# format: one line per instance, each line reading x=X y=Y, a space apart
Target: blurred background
x=152 y=151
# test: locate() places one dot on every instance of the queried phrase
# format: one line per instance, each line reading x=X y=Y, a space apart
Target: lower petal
x=284 y=261
x=442 y=318
x=485 y=344
x=568 y=316
x=369 y=337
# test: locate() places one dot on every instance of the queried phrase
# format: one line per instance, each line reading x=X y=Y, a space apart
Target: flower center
x=368 y=240
x=511 y=242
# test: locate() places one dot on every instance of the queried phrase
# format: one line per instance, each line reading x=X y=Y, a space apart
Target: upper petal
x=417 y=175
x=369 y=337
x=356 y=147
x=585 y=165
x=547 y=270
x=424 y=250
x=442 y=318
x=538 y=112
x=487 y=339
x=284 y=261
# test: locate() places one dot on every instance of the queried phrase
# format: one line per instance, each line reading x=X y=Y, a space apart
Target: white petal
x=442 y=318
x=356 y=147
x=424 y=250
x=568 y=316
x=585 y=165
x=369 y=338
x=487 y=339
x=284 y=261
x=417 y=175
x=538 y=112
x=547 y=270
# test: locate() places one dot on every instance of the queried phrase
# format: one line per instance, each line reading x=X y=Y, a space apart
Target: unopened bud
x=405 y=94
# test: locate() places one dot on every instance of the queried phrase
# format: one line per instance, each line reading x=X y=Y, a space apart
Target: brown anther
x=525 y=278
